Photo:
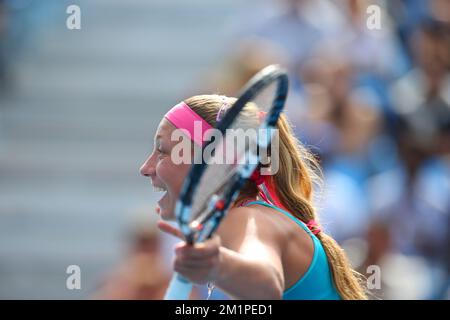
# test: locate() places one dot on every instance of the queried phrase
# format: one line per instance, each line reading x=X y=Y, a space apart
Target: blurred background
x=78 y=109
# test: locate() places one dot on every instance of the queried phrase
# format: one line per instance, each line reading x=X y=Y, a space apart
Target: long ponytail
x=295 y=180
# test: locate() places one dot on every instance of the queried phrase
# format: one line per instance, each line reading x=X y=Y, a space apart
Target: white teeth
x=158 y=189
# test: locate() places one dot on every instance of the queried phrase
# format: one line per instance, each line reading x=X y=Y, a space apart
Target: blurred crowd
x=374 y=106
x=2 y=44
x=19 y=21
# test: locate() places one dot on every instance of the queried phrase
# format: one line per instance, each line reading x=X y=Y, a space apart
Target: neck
x=242 y=202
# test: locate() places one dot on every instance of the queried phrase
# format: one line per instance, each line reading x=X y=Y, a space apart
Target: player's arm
x=250 y=266
x=243 y=258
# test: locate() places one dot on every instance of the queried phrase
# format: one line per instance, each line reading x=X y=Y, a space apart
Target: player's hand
x=199 y=263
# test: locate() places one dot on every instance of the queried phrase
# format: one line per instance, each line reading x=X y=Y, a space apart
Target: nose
x=148 y=168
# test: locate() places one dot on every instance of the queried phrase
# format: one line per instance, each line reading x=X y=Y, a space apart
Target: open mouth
x=164 y=194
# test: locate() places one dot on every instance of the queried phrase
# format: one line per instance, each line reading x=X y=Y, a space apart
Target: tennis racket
x=211 y=186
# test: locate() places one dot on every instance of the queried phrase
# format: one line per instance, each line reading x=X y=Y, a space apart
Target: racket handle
x=179 y=288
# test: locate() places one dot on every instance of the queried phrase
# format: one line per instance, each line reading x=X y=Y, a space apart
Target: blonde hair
x=295 y=179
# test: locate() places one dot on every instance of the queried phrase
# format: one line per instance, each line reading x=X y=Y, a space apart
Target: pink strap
x=268 y=181
x=270 y=185
x=264 y=197
x=183 y=117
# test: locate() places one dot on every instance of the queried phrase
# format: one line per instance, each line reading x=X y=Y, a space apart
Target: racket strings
x=231 y=151
x=230 y=155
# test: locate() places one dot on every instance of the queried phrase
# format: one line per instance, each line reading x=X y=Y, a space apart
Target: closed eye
x=160 y=152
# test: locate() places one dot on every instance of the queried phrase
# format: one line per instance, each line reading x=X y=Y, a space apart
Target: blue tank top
x=317 y=282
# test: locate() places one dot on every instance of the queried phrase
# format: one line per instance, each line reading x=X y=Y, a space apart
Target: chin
x=167 y=212
x=167 y=215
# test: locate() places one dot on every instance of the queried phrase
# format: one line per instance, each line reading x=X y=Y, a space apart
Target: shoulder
x=267 y=230
x=257 y=222
x=246 y=224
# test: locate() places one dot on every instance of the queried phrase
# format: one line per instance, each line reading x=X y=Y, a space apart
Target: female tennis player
x=268 y=246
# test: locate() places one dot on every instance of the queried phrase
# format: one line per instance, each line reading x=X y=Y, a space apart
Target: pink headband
x=183 y=117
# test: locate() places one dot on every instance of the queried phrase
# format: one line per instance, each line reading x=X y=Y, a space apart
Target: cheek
x=172 y=175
